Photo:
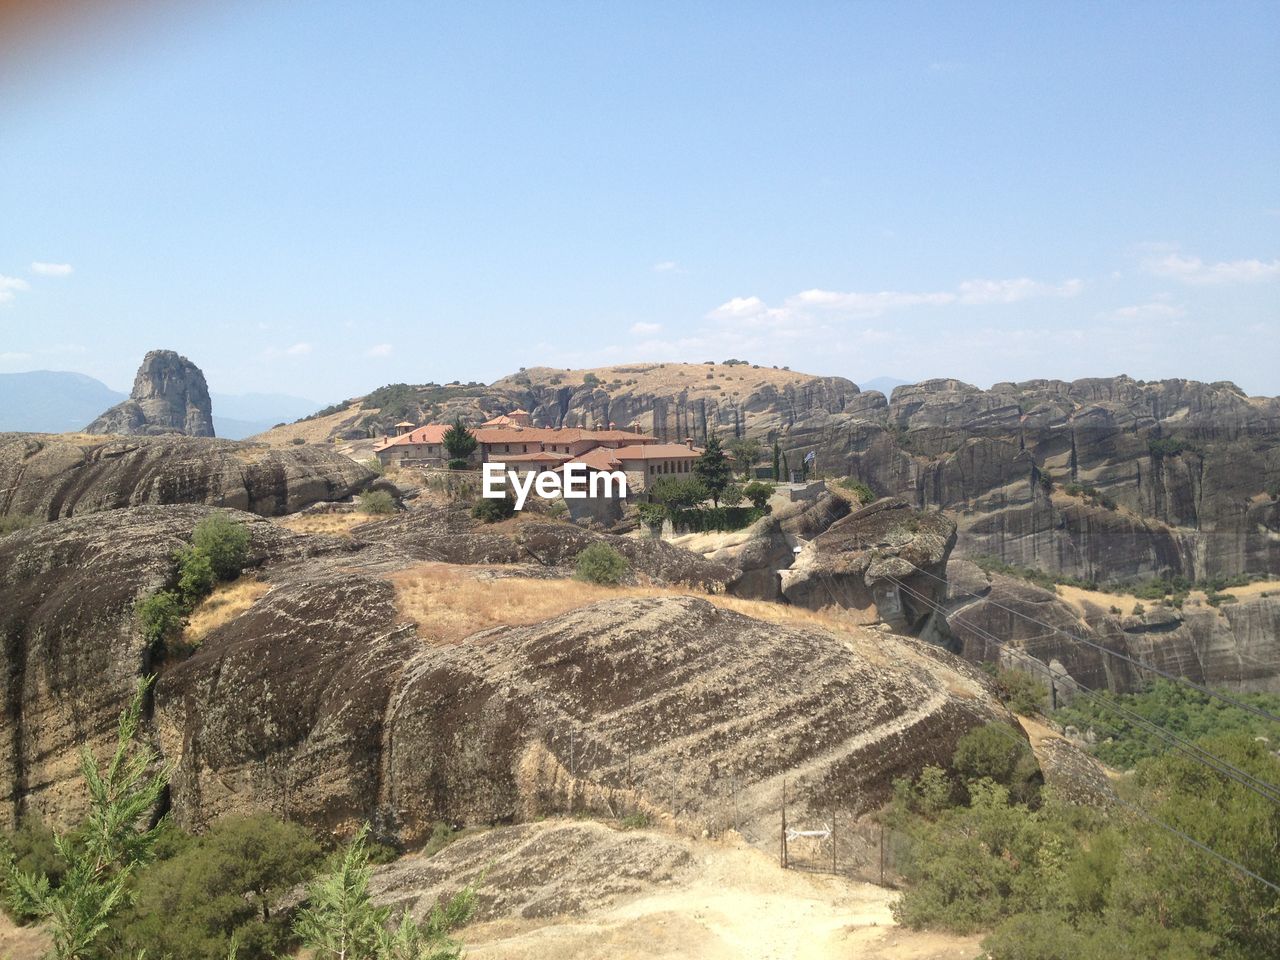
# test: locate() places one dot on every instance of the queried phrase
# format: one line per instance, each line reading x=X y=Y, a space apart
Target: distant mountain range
x=51 y=401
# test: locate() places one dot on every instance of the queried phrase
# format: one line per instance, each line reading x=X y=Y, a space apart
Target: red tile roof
x=599 y=458
x=430 y=433
x=539 y=457
x=658 y=451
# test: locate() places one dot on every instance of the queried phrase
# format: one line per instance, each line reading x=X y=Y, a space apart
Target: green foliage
x=395 y=401
x=758 y=493
x=459 y=441
x=994 y=752
x=377 y=503
x=223 y=885
x=746 y=451
x=457 y=464
x=1089 y=494
x=160 y=617
x=225 y=542
x=861 y=492
x=29 y=849
x=108 y=849
x=678 y=493
x=196 y=578
x=1019 y=690
x=732 y=495
x=340 y=922
x=1169 y=447
x=375 y=465
x=928 y=794
x=636 y=821
x=493 y=509
x=777 y=462
x=706 y=519
x=298 y=441
x=590 y=380
x=11 y=522
x=712 y=468
x=600 y=563
x=652 y=515
x=1172 y=706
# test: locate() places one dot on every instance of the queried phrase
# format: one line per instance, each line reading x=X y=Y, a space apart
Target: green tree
x=459 y=441
x=746 y=451
x=733 y=495
x=678 y=493
x=777 y=461
x=221 y=885
x=225 y=542
x=713 y=469
x=758 y=493
x=160 y=617
x=104 y=854
x=196 y=577
x=340 y=922
x=377 y=503
x=996 y=753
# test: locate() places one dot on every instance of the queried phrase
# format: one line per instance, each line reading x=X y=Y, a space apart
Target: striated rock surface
x=55 y=475
x=872 y=561
x=169 y=396
x=314 y=706
x=1234 y=646
x=71 y=650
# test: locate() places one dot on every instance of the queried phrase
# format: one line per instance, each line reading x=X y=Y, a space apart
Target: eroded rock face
x=52 y=475
x=1235 y=646
x=72 y=652
x=312 y=706
x=169 y=396
x=887 y=559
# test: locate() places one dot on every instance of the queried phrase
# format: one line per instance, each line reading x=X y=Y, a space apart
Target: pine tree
x=103 y=855
x=777 y=461
x=713 y=469
x=459 y=441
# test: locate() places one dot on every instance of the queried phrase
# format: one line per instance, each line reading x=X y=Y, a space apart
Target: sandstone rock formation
x=71 y=650
x=1183 y=471
x=657 y=704
x=169 y=396
x=887 y=560
x=54 y=475
x=1235 y=646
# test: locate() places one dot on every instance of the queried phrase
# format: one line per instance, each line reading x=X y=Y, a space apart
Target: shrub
x=676 y=493
x=196 y=578
x=493 y=509
x=861 y=492
x=222 y=885
x=995 y=753
x=459 y=464
x=758 y=493
x=377 y=503
x=590 y=380
x=298 y=441
x=652 y=515
x=732 y=495
x=1020 y=691
x=600 y=563
x=160 y=617
x=705 y=519
x=374 y=464
x=225 y=542
x=636 y=821
x=16 y=521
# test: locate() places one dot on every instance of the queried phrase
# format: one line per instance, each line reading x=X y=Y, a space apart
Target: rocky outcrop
x=54 y=475
x=886 y=560
x=71 y=649
x=1234 y=646
x=314 y=706
x=169 y=396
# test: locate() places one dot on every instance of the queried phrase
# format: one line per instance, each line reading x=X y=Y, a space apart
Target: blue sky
x=318 y=198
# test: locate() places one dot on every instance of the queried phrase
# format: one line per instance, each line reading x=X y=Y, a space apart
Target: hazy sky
x=319 y=198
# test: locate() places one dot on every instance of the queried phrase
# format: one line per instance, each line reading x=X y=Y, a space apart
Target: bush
x=994 y=752
x=861 y=492
x=196 y=578
x=721 y=519
x=16 y=521
x=225 y=542
x=160 y=617
x=298 y=441
x=493 y=509
x=652 y=515
x=223 y=884
x=459 y=464
x=1019 y=690
x=758 y=493
x=732 y=495
x=600 y=563
x=374 y=464
x=377 y=503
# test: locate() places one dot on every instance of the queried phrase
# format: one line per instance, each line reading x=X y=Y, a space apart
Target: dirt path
x=738 y=906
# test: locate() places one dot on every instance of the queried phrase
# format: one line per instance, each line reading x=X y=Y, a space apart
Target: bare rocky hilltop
x=1102 y=479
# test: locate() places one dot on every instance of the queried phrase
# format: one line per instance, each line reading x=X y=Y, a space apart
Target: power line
x=1208 y=691
x=1262 y=788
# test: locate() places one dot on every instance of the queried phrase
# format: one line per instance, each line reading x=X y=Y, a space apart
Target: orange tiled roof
x=428 y=433
x=501 y=420
x=657 y=451
x=599 y=458
x=541 y=457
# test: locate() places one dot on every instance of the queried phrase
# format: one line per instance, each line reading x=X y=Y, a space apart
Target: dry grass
x=448 y=603
x=318 y=430
x=333 y=524
x=665 y=378
x=227 y=602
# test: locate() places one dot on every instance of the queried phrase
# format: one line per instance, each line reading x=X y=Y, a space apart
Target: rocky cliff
x=169 y=396
x=1106 y=479
x=58 y=475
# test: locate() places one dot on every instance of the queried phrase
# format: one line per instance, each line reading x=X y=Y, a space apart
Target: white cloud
x=300 y=349
x=379 y=350
x=646 y=329
x=14 y=357
x=45 y=269
x=1191 y=269
x=9 y=286
x=665 y=266
x=1154 y=310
